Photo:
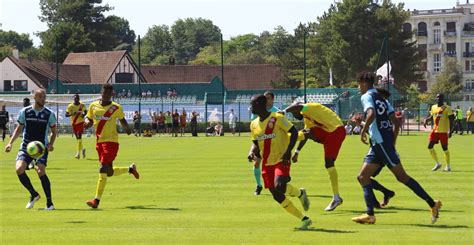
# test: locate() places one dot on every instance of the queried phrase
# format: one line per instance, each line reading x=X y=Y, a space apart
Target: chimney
x=15 y=53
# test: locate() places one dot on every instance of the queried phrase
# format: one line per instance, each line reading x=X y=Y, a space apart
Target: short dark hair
x=261 y=100
x=270 y=93
x=366 y=76
x=107 y=86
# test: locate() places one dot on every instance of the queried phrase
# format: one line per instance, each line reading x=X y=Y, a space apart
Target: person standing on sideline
x=35 y=122
x=458 y=120
x=136 y=123
x=103 y=114
x=232 y=121
x=274 y=138
x=470 y=120
x=193 y=123
x=443 y=119
x=383 y=129
x=4 y=119
x=182 y=122
x=77 y=110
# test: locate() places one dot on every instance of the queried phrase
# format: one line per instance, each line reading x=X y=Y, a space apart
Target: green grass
x=200 y=190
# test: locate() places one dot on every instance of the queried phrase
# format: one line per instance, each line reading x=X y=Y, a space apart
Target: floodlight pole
x=222 y=77
x=304 y=65
x=139 y=89
x=57 y=80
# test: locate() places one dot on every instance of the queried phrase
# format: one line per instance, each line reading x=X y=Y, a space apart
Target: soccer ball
x=35 y=149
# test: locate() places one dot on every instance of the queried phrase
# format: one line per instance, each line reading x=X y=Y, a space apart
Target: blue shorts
x=23 y=156
x=383 y=154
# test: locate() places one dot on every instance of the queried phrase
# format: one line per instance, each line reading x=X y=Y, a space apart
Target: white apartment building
x=442 y=33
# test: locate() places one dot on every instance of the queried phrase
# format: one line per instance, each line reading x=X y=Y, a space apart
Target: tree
x=10 y=40
x=349 y=36
x=156 y=46
x=449 y=80
x=99 y=33
x=190 y=35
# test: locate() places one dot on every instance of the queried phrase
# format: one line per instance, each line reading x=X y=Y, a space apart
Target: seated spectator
x=174 y=93
x=129 y=94
x=158 y=94
x=148 y=94
x=348 y=128
x=147 y=132
x=124 y=93
x=210 y=131
x=219 y=129
x=143 y=94
x=357 y=129
x=169 y=92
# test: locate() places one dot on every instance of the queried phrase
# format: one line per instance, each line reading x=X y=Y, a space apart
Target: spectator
x=148 y=94
x=53 y=91
x=158 y=94
x=174 y=93
x=219 y=129
x=193 y=123
x=136 y=123
x=357 y=129
x=348 y=128
x=232 y=121
x=129 y=94
x=161 y=123
x=470 y=120
x=399 y=116
x=124 y=93
x=458 y=120
x=143 y=94
x=175 y=122
x=210 y=131
x=169 y=122
x=169 y=92
x=182 y=122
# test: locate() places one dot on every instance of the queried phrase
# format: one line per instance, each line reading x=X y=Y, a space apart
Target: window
x=436 y=23
x=467 y=84
x=7 y=85
x=407 y=28
x=451 y=27
x=422 y=50
x=451 y=49
x=123 y=77
x=422 y=29
x=467 y=65
x=437 y=62
x=437 y=36
x=20 y=85
x=472 y=65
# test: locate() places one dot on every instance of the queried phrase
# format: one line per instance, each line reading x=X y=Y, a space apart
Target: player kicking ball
x=103 y=114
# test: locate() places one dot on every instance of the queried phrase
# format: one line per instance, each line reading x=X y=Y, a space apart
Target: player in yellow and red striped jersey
x=269 y=132
x=77 y=110
x=103 y=114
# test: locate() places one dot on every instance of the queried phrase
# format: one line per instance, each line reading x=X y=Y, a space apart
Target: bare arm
x=52 y=138
x=293 y=138
x=370 y=118
x=254 y=153
x=124 y=124
x=396 y=127
x=15 y=135
x=88 y=123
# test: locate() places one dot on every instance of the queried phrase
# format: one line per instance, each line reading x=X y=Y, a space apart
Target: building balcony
x=437 y=11
x=468 y=33
x=468 y=54
x=450 y=53
x=450 y=33
x=435 y=47
x=422 y=33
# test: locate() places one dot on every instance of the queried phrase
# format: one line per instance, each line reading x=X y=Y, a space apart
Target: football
x=35 y=149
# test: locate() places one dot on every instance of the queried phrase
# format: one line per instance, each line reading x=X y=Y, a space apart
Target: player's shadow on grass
x=321 y=196
x=60 y=169
x=419 y=209
x=325 y=230
x=76 y=222
x=442 y=226
x=341 y=211
x=77 y=209
x=151 y=207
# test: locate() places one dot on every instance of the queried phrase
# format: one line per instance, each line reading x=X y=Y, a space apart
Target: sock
x=369 y=197
x=433 y=155
x=292 y=191
x=446 y=156
x=333 y=177
x=79 y=145
x=47 y=189
x=100 y=185
x=120 y=170
x=419 y=191
x=257 y=172
x=377 y=186
x=290 y=208
x=27 y=184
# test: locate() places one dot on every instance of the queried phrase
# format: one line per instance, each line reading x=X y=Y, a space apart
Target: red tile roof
x=236 y=77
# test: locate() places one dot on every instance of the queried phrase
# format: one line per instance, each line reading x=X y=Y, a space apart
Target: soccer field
x=200 y=191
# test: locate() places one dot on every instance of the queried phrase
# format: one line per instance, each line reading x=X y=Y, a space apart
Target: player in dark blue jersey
x=382 y=127
x=35 y=122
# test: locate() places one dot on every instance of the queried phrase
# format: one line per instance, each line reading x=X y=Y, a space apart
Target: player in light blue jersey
x=382 y=127
x=257 y=172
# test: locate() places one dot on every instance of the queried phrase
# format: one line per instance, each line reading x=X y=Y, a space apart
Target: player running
x=383 y=127
x=443 y=120
x=77 y=111
x=104 y=114
x=326 y=128
x=269 y=132
x=35 y=122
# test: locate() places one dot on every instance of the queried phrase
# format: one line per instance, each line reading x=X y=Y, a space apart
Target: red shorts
x=107 y=152
x=183 y=124
x=78 y=128
x=270 y=172
x=332 y=141
x=439 y=137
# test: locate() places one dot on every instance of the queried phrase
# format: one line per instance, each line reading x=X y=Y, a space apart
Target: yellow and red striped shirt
x=105 y=120
x=76 y=112
x=318 y=115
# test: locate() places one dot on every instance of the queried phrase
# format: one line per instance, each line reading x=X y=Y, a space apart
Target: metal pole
x=238 y=128
x=388 y=66
x=222 y=77
x=57 y=81
x=139 y=89
x=304 y=65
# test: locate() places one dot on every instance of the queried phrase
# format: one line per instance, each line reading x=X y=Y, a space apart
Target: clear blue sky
x=234 y=17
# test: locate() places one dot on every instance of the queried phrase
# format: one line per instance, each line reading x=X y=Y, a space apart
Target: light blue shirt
x=382 y=109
